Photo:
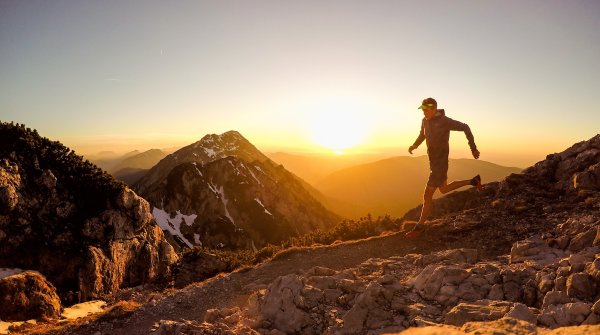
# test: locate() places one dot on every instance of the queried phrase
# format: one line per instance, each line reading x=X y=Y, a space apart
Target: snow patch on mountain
x=210 y=152
x=263 y=206
x=173 y=224
x=225 y=201
x=254 y=176
x=196 y=166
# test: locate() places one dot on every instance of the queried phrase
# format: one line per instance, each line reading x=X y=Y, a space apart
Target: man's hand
x=475 y=153
x=410 y=149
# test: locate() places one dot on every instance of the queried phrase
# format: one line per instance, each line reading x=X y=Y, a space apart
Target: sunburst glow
x=339 y=127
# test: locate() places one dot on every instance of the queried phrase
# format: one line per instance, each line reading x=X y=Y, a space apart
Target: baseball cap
x=429 y=102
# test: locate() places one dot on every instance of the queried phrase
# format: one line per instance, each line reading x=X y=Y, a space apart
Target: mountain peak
x=210 y=148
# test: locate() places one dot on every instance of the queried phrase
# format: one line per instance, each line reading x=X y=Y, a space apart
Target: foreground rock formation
x=27 y=296
x=536 y=267
x=65 y=218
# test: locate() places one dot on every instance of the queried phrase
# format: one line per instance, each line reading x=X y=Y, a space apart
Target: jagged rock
x=197 y=266
x=570 y=314
x=429 y=282
x=278 y=306
x=28 y=295
x=522 y=312
x=496 y=292
x=483 y=310
x=534 y=249
x=371 y=310
x=583 y=240
x=581 y=286
x=592 y=319
x=588 y=179
x=514 y=282
x=594 y=268
x=555 y=298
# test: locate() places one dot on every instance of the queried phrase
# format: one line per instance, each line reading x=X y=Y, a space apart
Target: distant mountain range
x=395 y=185
x=349 y=185
x=315 y=167
x=223 y=192
x=131 y=168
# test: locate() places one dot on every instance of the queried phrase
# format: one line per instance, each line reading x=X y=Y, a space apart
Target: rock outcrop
x=62 y=216
x=28 y=295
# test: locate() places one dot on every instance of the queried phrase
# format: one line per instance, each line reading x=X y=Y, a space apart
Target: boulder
x=28 y=295
x=588 y=179
x=583 y=240
x=430 y=280
x=278 y=305
x=522 y=312
x=483 y=310
x=8 y=198
x=570 y=314
x=536 y=250
x=555 y=298
x=581 y=286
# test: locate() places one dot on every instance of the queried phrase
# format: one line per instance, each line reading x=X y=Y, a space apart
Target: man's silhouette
x=435 y=130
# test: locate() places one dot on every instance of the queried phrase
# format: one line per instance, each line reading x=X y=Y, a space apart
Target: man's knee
x=428 y=194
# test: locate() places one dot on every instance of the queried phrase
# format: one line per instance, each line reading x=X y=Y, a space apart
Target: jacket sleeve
x=421 y=137
x=459 y=126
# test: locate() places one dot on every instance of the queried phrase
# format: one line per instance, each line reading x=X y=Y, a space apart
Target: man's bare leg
x=445 y=188
x=427 y=199
x=454 y=185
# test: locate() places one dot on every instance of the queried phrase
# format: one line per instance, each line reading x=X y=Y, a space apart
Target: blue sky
x=120 y=75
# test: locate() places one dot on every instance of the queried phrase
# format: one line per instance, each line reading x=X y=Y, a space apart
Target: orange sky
x=303 y=76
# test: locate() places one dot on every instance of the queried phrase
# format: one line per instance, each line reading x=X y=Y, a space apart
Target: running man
x=435 y=130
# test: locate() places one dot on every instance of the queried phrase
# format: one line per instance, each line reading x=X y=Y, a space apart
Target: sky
x=303 y=76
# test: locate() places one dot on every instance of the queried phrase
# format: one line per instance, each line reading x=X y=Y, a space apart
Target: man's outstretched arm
x=459 y=126
x=418 y=141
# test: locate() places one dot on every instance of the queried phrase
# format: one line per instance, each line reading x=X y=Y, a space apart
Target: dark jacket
x=436 y=132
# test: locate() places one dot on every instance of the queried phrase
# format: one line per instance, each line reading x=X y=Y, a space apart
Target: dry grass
x=120 y=310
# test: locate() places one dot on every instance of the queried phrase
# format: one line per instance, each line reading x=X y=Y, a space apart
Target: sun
x=338 y=127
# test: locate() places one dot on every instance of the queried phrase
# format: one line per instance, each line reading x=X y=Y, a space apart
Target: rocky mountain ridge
x=209 y=148
x=236 y=204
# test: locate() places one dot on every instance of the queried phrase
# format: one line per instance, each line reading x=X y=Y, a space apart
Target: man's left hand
x=475 y=153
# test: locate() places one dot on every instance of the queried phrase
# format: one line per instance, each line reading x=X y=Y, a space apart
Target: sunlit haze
x=303 y=76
